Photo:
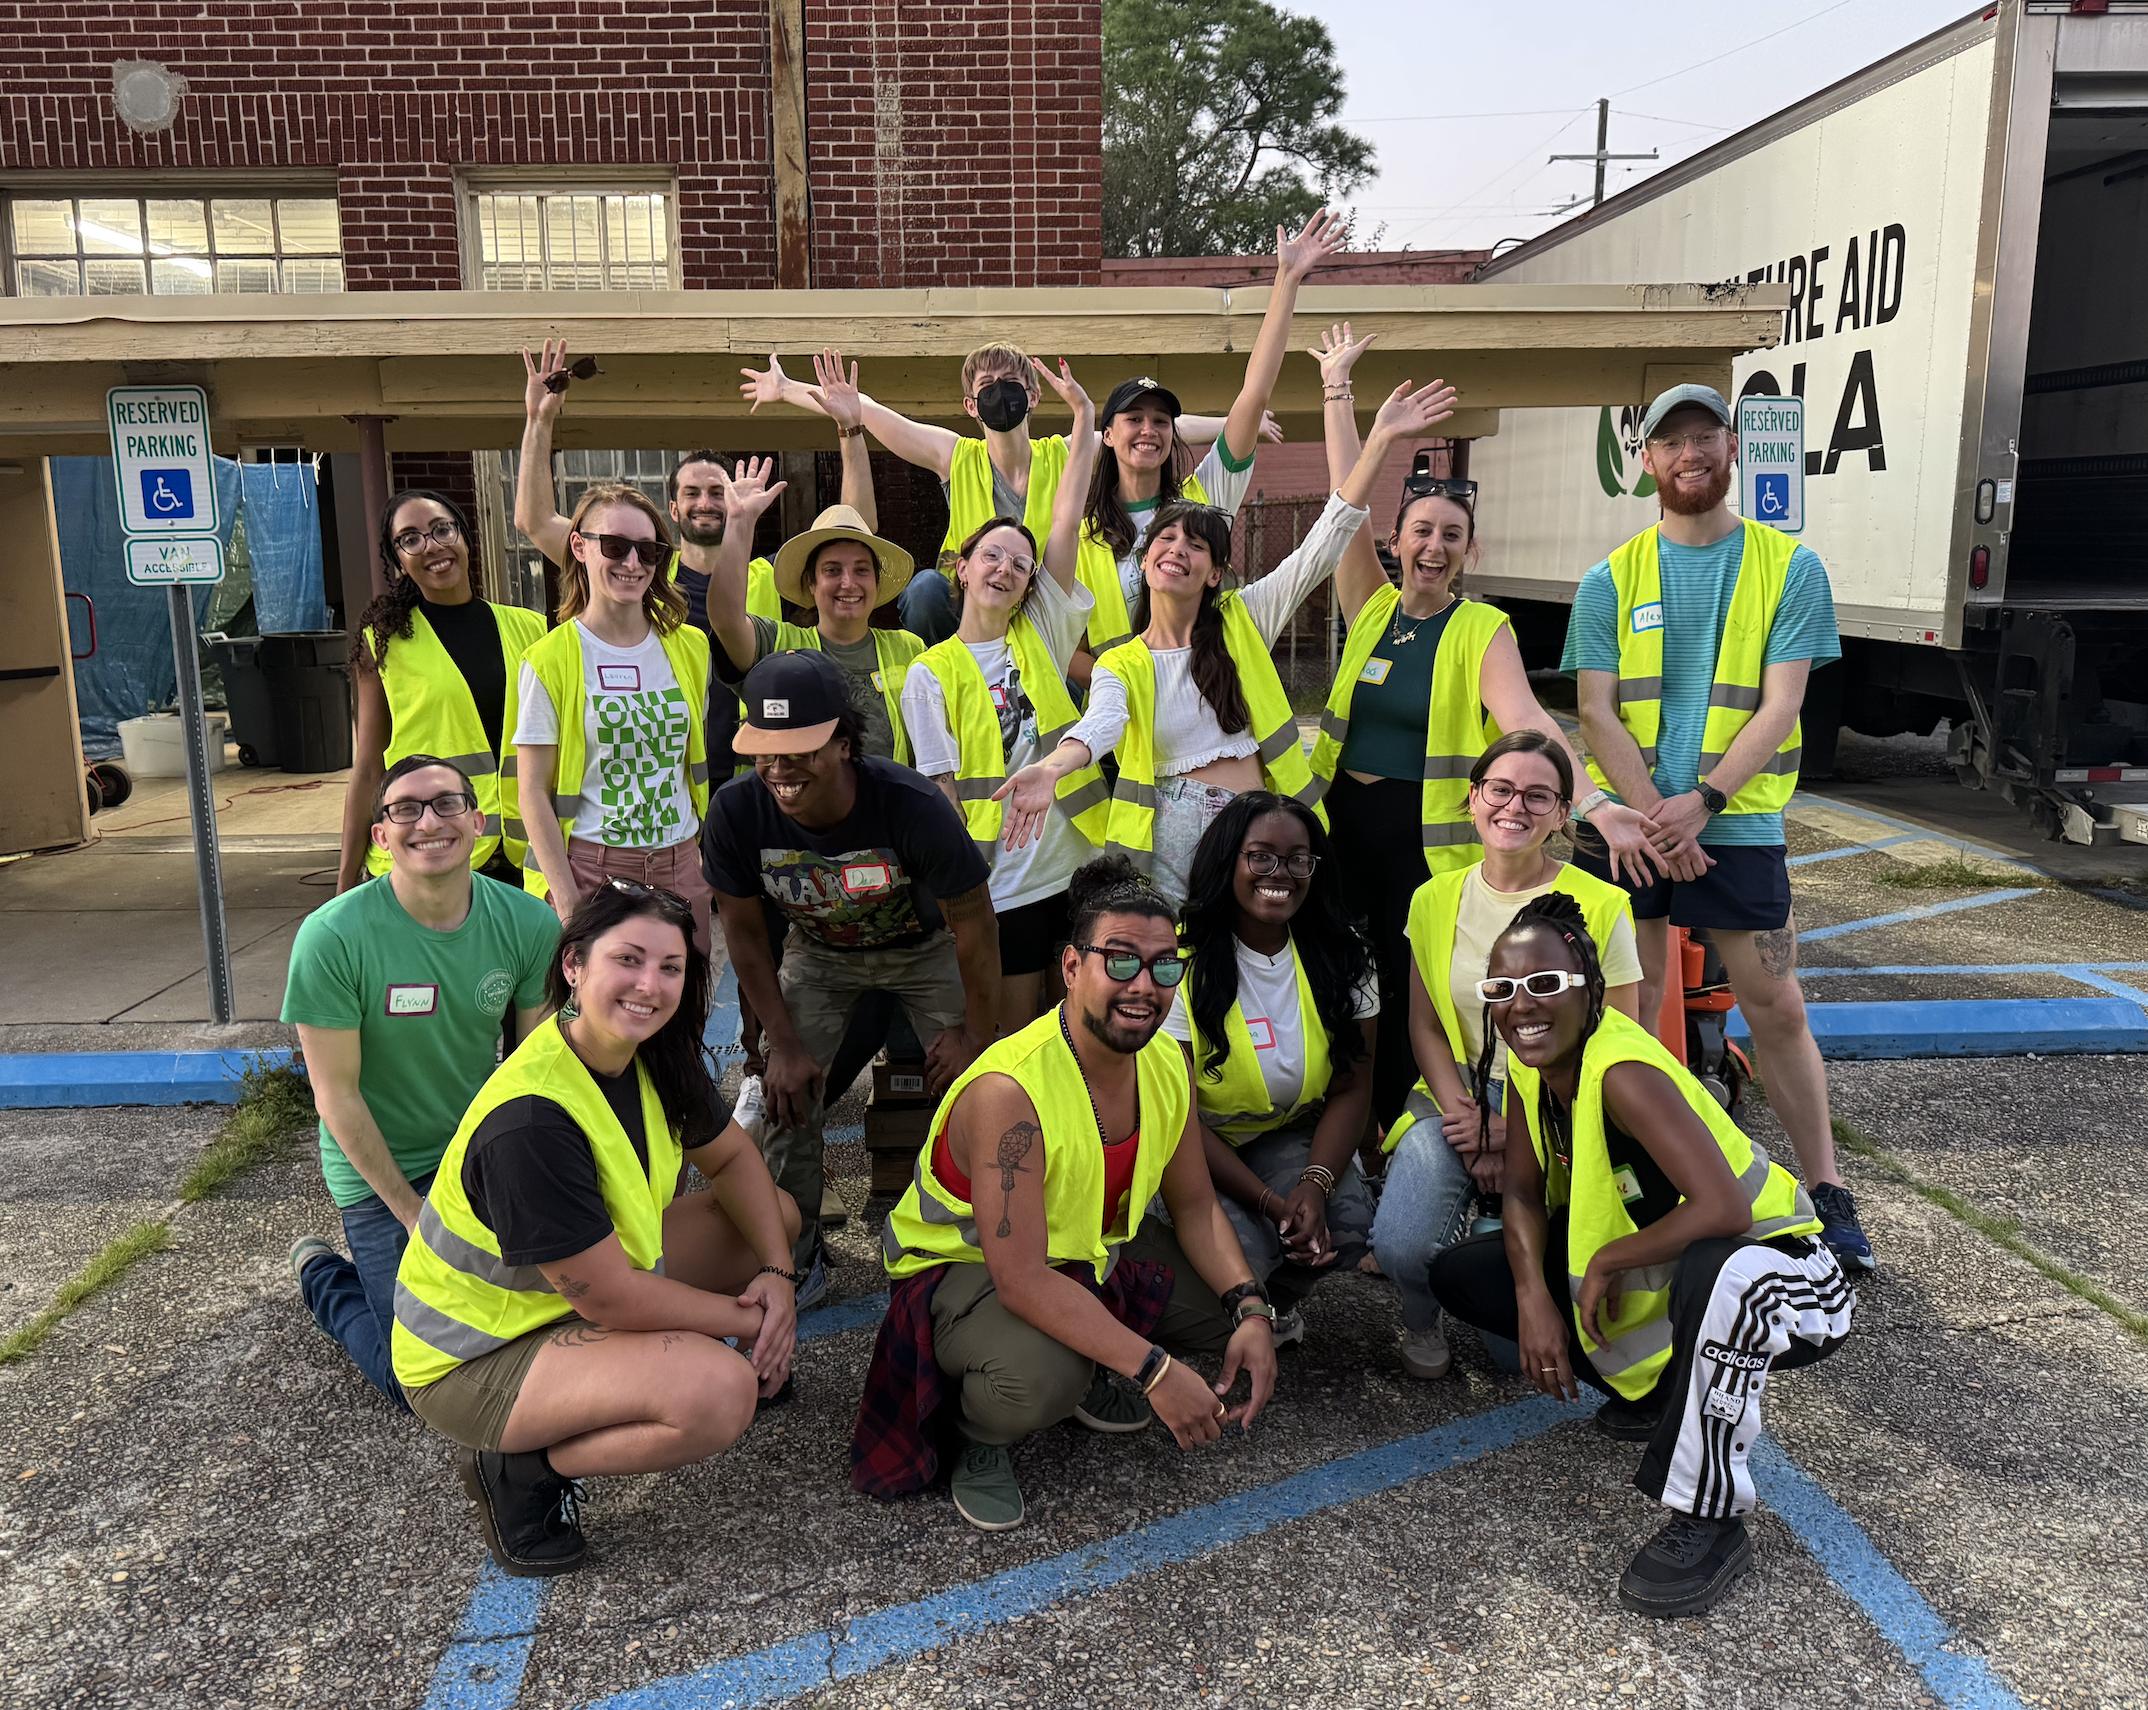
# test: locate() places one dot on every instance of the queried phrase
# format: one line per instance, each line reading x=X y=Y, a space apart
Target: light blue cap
x=1707 y=397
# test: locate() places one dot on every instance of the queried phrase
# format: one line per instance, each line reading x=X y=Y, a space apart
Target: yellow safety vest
x=1457 y=728
x=895 y=650
x=1637 y=574
x=1131 y=830
x=456 y=1299
x=970 y=504
x=980 y=761
x=557 y=662
x=431 y=711
x=1237 y=1106
x=930 y=1226
x=1112 y=621
x=1640 y=1330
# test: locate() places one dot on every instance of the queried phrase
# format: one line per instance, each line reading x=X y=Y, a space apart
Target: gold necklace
x=1398 y=637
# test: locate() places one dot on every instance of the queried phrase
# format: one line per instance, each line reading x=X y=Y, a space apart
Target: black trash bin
x=310 y=698
x=246 y=695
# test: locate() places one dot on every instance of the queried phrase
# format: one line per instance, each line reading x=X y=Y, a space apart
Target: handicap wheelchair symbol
x=167 y=493
x=1771 y=495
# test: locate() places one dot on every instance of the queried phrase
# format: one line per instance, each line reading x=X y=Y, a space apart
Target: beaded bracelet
x=1320 y=1176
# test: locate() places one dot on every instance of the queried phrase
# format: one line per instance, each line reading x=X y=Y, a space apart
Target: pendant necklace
x=1065 y=1033
x=1399 y=637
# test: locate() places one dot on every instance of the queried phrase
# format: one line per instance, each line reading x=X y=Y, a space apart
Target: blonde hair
x=661 y=600
x=997 y=356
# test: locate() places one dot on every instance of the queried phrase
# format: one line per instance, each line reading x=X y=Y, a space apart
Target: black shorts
x=1747 y=890
x=1030 y=936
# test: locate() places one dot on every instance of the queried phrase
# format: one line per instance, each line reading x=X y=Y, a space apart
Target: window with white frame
x=171 y=245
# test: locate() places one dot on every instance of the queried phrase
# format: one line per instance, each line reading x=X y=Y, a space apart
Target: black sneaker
x=529 y=1514
x=1838 y=1227
x=1630 y=1421
x=1685 y=1568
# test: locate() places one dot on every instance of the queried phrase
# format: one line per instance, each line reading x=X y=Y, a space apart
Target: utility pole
x=1603 y=155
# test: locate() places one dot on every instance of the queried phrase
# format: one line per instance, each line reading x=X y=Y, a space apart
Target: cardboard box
x=899 y=1083
x=892 y=1171
x=899 y=1128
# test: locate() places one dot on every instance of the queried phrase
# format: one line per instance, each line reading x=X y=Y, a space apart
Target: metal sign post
x=167 y=503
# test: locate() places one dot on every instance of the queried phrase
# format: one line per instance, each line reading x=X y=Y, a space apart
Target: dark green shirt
x=1392 y=708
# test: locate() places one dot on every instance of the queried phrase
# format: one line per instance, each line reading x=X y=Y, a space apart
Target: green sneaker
x=984 y=1489
x=1111 y=1406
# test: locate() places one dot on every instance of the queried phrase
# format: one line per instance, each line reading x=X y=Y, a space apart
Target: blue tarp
x=131 y=673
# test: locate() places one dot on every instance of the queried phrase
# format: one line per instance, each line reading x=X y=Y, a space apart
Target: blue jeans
x=353 y=1299
x=1422 y=1204
x=927 y=607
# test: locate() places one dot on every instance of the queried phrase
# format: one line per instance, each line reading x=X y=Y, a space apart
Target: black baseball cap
x=792 y=703
x=1127 y=392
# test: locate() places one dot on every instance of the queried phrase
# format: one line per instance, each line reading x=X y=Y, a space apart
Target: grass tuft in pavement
x=2003 y=1230
x=1953 y=873
x=274 y=1110
x=120 y=1255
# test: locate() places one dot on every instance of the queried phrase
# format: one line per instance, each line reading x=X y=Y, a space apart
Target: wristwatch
x=1713 y=798
x=1234 y=1298
x=1251 y=1307
x=1589 y=803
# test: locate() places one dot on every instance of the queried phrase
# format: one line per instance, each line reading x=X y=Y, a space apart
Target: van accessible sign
x=158 y=561
x=1771 y=461
x=161 y=461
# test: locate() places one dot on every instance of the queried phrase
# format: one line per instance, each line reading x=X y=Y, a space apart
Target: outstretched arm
x=746 y=494
x=536 y=503
x=842 y=403
x=1295 y=257
x=1359 y=576
x=920 y=443
x=1062 y=547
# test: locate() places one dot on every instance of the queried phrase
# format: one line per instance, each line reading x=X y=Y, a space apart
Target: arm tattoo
x=1014 y=1147
x=1778 y=951
x=970 y=903
x=572 y=1288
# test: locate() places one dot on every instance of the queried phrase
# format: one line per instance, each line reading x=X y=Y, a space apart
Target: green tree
x=1219 y=126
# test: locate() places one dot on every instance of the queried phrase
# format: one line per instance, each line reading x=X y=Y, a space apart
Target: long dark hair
x=1559 y=913
x=672 y=1056
x=1215 y=673
x=389 y=615
x=1329 y=942
x=1106 y=517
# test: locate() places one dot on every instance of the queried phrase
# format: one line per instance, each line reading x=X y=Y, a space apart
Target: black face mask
x=1002 y=404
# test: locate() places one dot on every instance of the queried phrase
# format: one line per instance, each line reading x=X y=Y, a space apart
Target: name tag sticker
x=413 y=1000
x=1375 y=671
x=619 y=679
x=863 y=878
x=1263 y=1032
x=878 y=684
x=1648 y=617
x=1627 y=1183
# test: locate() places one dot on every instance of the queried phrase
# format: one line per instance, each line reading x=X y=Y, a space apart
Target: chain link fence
x=1267 y=532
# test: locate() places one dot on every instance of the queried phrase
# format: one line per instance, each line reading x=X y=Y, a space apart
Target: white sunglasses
x=1548 y=983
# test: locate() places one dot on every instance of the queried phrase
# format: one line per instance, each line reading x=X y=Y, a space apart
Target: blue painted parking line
x=1857 y=848
x=1926 y=911
x=1849 y=1557
x=1971 y=1027
x=1968 y=846
x=1903 y=970
x=50 y=1080
x=2104 y=983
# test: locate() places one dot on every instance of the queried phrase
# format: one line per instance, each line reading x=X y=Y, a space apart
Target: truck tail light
x=1979 y=566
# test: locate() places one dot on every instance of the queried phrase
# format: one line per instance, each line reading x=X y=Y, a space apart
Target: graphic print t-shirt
x=871 y=881
x=635 y=724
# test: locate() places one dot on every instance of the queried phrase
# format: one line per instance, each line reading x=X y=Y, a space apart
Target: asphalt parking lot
x=200 y=1504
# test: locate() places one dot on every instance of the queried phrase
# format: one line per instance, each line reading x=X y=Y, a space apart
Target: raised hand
x=763 y=386
x=1271 y=430
x=1408 y=414
x=1337 y=354
x=1068 y=388
x=839 y=397
x=1320 y=237
x=747 y=493
x=538 y=399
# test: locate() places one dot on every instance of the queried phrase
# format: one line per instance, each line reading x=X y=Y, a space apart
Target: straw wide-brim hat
x=840 y=522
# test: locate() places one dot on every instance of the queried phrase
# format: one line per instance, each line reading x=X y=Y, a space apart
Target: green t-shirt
x=427 y=1006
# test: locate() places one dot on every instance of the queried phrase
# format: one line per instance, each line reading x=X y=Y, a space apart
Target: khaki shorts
x=471 y=1404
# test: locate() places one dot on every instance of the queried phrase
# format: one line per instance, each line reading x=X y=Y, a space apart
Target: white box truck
x=1963 y=229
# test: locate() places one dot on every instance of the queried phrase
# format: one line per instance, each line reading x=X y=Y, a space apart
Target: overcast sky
x=1449 y=177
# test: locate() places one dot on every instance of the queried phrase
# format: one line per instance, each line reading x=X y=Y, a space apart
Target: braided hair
x=1558 y=913
x=389 y=616
x=1111 y=884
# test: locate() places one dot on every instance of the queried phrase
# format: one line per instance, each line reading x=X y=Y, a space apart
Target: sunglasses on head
x=669 y=901
x=586 y=369
x=620 y=547
x=1123 y=965
x=1546 y=983
x=1462 y=492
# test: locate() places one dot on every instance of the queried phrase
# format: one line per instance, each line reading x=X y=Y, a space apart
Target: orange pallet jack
x=1695 y=1019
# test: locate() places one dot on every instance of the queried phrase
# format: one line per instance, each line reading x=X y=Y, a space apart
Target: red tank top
x=1120 y=1157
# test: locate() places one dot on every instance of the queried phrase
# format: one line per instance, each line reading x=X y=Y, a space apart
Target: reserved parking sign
x=1771 y=461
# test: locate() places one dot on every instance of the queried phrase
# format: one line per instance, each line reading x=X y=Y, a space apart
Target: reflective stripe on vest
x=980 y=760
x=431 y=711
x=1434 y=922
x=1640 y=1330
x=1457 y=728
x=557 y=662
x=1112 y=621
x=1131 y=829
x=456 y=1298
x=971 y=502
x=1237 y=1104
x=894 y=652
x=1418 y=1106
x=1733 y=698
x=930 y=1226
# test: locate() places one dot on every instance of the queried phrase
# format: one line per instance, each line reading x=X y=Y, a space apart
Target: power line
x=1795 y=23
x=1519 y=161
x=1666 y=119
x=1431 y=118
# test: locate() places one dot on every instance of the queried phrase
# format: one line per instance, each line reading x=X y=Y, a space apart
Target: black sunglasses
x=669 y=901
x=620 y=547
x=1415 y=486
x=1123 y=965
x=586 y=369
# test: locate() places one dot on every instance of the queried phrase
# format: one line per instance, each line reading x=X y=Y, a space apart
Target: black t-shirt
x=868 y=882
x=471 y=635
x=531 y=1176
x=694 y=585
x=1657 y=1195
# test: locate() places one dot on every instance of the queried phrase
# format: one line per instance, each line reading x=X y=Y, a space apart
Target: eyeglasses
x=441 y=531
x=1547 y=983
x=1123 y=965
x=1705 y=440
x=408 y=810
x=669 y=901
x=1462 y=492
x=620 y=547
x=1299 y=863
x=992 y=557
x=586 y=369
x=1536 y=799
